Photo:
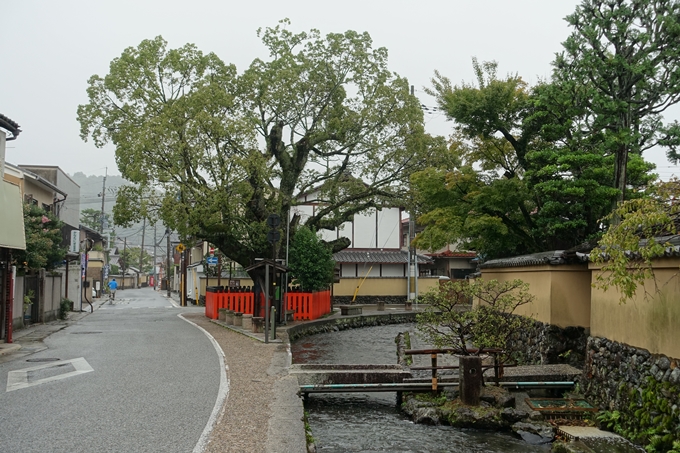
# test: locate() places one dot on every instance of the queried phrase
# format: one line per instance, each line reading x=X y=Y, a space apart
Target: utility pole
x=141 y=254
x=124 y=261
x=412 y=254
x=101 y=223
x=167 y=263
x=155 y=276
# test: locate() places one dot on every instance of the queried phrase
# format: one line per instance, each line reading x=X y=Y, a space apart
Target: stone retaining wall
x=610 y=365
x=550 y=344
x=643 y=387
x=348 y=322
x=369 y=300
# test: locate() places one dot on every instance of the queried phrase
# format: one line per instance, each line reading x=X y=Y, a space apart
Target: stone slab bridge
x=336 y=378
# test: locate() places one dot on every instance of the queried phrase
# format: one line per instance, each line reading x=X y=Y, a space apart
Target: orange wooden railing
x=307 y=306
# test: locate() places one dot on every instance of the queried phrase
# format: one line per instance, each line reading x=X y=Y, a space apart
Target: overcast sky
x=51 y=48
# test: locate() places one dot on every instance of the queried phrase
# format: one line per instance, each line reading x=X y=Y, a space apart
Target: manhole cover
x=46 y=359
x=83 y=333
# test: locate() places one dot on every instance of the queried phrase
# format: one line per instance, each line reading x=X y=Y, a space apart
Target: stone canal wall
x=549 y=344
x=348 y=322
x=369 y=300
x=643 y=387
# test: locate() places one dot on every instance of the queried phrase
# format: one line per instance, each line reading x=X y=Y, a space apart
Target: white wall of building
x=393 y=270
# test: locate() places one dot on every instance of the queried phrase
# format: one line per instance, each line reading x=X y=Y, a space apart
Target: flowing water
x=371 y=422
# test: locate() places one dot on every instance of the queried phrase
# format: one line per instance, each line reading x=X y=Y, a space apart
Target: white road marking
x=18 y=379
x=222 y=392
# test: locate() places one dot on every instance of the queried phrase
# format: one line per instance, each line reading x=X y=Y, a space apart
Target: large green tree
x=624 y=54
x=526 y=176
x=321 y=116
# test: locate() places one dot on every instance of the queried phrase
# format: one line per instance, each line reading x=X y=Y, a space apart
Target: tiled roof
x=10 y=125
x=557 y=257
x=534 y=259
x=377 y=256
x=450 y=254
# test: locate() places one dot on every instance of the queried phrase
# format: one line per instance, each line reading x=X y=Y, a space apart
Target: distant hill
x=90 y=198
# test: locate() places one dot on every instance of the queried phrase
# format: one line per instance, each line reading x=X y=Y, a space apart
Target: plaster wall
x=650 y=319
x=389 y=227
x=365 y=231
x=43 y=196
x=539 y=280
x=562 y=293
x=392 y=270
x=395 y=286
x=570 y=296
x=348 y=270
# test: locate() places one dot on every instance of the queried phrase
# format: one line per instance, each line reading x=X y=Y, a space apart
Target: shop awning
x=12 y=212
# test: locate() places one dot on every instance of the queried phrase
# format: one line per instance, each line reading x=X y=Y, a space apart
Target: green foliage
x=214 y=152
x=489 y=324
x=28 y=298
x=648 y=418
x=64 y=307
x=308 y=429
x=43 y=240
x=129 y=257
x=623 y=56
x=310 y=261
x=92 y=218
x=627 y=249
x=523 y=174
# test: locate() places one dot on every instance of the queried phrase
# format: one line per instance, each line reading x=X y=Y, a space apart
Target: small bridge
x=332 y=378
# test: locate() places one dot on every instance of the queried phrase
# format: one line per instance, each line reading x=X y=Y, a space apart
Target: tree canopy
x=539 y=168
x=92 y=218
x=226 y=149
x=624 y=55
x=311 y=261
x=43 y=240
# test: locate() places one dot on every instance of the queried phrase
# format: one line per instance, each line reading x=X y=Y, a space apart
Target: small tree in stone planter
x=448 y=322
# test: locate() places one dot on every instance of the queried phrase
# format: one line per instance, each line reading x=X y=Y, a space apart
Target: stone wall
x=644 y=387
x=348 y=322
x=369 y=300
x=550 y=344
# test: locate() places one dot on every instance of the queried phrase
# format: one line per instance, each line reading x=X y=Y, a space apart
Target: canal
x=371 y=422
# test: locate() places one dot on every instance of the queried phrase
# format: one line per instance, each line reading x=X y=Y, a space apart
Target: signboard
x=74 y=247
x=211 y=260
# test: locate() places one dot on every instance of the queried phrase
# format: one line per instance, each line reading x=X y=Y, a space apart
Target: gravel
x=262 y=412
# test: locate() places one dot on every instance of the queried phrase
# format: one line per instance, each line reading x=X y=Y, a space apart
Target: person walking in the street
x=113 y=286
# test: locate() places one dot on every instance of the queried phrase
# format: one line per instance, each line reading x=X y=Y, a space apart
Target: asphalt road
x=131 y=377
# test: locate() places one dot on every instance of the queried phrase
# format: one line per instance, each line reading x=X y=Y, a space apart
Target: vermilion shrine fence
x=306 y=306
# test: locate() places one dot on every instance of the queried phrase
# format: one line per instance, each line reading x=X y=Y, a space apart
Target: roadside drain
x=45 y=359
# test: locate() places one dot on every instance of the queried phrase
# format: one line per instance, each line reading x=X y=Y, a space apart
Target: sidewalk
x=29 y=340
